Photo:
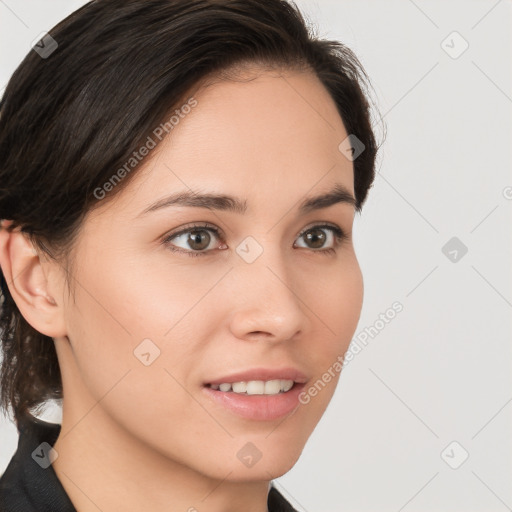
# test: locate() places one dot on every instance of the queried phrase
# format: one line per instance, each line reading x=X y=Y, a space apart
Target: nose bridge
x=266 y=300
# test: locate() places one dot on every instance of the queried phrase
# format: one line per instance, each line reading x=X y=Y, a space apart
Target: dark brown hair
x=69 y=119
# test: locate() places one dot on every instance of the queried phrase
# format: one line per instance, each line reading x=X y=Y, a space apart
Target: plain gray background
x=434 y=384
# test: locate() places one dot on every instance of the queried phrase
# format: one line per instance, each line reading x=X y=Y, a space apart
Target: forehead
x=268 y=136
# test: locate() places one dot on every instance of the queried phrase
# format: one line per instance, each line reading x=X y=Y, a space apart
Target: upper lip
x=262 y=374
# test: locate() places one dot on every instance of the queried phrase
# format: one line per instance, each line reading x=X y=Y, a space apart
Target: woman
x=179 y=184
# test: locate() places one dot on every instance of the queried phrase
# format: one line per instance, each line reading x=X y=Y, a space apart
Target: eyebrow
x=194 y=199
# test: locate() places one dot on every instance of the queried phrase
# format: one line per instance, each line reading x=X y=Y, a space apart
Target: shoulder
x=277 y=502
x=29 y=483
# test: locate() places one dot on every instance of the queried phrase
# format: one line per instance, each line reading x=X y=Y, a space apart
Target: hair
x=68 y=120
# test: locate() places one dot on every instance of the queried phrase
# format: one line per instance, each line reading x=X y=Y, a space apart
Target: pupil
x=318 y=239
x=193 y=239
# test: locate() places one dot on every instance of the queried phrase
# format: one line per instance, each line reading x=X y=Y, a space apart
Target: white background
x=440 y=371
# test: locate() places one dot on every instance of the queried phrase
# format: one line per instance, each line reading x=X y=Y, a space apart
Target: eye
x=196 y=239
x=316 y=236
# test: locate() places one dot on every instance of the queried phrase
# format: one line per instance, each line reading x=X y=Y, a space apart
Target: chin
x=263 y=471
x=270 y=461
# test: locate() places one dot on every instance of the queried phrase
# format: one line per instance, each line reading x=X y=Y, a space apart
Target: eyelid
x=190 y=227
x=207 y=225
x=321 y=224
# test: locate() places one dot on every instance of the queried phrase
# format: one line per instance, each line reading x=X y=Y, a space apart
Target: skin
x=138 y=437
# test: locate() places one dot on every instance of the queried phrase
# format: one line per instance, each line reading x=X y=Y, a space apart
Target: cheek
x=130 y=315
x=336 y=300
x=349 y=301
x=146 y=400
x=109 y=321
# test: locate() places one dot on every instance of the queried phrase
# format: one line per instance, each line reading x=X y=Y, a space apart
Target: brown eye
x=316 y=238
x=194 y=240
x=198 y=239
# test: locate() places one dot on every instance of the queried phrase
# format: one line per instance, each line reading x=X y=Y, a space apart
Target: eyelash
x=339 y=234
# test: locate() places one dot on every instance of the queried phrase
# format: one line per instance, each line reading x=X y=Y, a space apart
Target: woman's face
x=163 y=309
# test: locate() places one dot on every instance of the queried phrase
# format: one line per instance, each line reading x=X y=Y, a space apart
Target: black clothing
x=26 y=486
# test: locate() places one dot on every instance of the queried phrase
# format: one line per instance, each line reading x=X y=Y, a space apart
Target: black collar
x=31 y=486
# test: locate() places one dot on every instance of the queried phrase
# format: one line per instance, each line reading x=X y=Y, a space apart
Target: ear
x=26 y=277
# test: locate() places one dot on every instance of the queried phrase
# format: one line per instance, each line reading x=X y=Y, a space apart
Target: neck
x=103 y=467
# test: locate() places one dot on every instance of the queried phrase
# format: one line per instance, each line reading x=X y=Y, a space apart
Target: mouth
x=261 y=395
x=255 y=387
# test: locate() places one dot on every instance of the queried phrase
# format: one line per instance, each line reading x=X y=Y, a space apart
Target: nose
x=267 y=304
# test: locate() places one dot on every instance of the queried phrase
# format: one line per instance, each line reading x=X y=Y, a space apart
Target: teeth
x=286 y=385
x=239 y=387
x=256 y=387
x=272 y=387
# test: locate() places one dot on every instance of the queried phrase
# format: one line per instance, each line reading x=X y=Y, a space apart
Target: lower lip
x=257 y=407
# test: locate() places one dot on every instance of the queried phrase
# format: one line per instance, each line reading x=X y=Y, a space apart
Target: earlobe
x=25 y=276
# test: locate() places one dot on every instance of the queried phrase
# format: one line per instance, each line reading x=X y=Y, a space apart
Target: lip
x=265 y=374
x=257 y=407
